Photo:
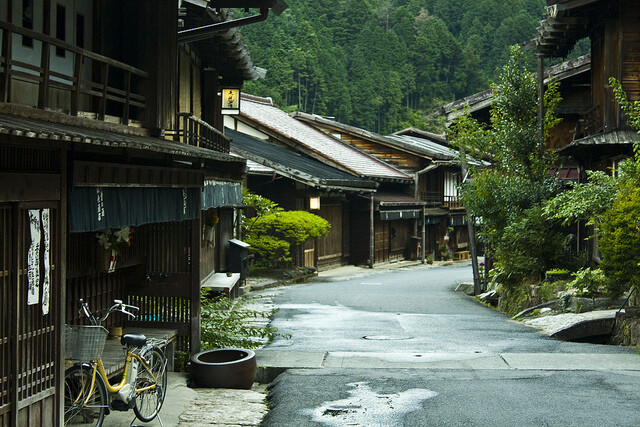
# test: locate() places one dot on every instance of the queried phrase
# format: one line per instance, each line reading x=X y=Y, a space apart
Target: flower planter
x=225 y=368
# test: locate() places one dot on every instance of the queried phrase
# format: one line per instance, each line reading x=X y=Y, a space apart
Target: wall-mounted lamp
x=230 y=100
x=314 y=203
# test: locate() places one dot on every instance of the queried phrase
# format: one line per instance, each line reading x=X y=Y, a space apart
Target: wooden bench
x=460 y=255
x=222 y=282
x=113 y=356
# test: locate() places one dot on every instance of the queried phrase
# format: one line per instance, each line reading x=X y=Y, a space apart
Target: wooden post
x=424 y=234
x=5 y=89
x=372 y=234
x=43 y=92
x=472 y=236
x=127 y=101
x=105 y=84
x=195 y=280
x=15 y=304
x=75 y=95
x=61 y=271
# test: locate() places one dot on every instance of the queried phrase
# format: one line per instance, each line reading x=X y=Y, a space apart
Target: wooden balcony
x=67 y=78
x=197 y=132
x=438 y=199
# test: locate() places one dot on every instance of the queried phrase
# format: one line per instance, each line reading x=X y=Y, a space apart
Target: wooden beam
x=195 y=282
x=25 y=187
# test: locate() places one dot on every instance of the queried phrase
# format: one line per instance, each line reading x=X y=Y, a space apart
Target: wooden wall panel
x=359 y=237
x=35 y=334
x=330 y=245
x=597 y=75
x=630 y=73
x=400 y=231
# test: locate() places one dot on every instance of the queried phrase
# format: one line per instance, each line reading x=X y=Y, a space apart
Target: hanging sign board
x=230 y=101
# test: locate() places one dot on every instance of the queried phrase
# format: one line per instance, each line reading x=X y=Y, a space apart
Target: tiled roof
x=317 y=143
x=426 y=147
x=396 y=199
x=433 y=149
x=294 y=165
x=40 y=129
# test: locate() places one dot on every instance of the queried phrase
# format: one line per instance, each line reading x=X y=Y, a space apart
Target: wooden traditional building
x=380 y=229
x=598 y=137
x=296 y=181
x=435 y=169
x=88 y=111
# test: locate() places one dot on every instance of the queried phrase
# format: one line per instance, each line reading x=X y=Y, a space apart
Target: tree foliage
x=620 y=240
x=375 y=63
x=273 y=233
x=586 y=202
x=507 y=198
x=620 y=227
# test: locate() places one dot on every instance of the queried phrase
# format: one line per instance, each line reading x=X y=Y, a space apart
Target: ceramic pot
x=224 y=368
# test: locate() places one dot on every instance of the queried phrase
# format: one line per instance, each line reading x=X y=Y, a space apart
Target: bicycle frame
x=116 y=388
x=98 y=368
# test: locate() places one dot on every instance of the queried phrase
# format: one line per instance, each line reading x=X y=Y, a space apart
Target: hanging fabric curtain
x=217 y=194
x=97 y=208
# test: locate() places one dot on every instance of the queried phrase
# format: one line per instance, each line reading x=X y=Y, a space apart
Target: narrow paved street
x=401 y=348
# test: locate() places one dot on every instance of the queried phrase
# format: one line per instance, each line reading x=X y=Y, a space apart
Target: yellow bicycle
x=88 y=394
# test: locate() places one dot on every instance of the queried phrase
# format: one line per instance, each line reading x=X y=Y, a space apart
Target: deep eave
x=286 y=162
x=90 y=135
x=564 y=23
x=225 y=51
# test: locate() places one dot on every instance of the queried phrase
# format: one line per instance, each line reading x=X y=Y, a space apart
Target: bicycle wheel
x=78 y=411
x=149 y=402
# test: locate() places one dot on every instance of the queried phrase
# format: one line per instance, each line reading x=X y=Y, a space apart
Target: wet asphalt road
x=415 y=310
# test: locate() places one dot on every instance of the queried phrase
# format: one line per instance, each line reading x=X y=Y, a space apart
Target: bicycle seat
x=136 y=340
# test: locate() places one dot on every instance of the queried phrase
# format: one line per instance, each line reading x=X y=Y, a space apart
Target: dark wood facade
x=30 y=340
x=596 y=134
x=86 y=109
x=435 y=185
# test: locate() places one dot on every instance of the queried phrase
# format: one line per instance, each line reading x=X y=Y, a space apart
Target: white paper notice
x=33 y=258
x=46 y=230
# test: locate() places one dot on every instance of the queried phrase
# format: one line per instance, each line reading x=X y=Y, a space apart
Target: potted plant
x=429 y=259
x=443 y=249
x=111 y=241
x=210 y=220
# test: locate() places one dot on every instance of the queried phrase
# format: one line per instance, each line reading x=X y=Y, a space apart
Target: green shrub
x=620 y=241
x=589 y=282
x=273 y=233
x=513 y=299
x=549 y=290
x=228 y=323
x=530 y=244
x=270 y=251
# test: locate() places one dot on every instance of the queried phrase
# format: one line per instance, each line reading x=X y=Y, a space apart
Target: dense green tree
x=507 y=198
x=381 y=64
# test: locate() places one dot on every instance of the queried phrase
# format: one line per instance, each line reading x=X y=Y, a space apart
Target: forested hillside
x=382 y=64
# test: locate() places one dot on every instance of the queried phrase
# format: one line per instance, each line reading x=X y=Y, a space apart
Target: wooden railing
x=433 y=198
x=452 y=202
x=112 y=91
x=197 y=132
x=437 y=199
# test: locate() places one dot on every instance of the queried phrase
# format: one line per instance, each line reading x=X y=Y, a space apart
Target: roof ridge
x=258 y=99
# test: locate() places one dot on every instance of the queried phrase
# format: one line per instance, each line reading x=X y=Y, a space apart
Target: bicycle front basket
x=84 y=342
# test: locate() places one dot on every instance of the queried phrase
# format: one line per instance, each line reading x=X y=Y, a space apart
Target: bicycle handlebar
x=99 y=317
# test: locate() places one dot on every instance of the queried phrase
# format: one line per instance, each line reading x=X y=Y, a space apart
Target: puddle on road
x=366 y=407
x=385 y=338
